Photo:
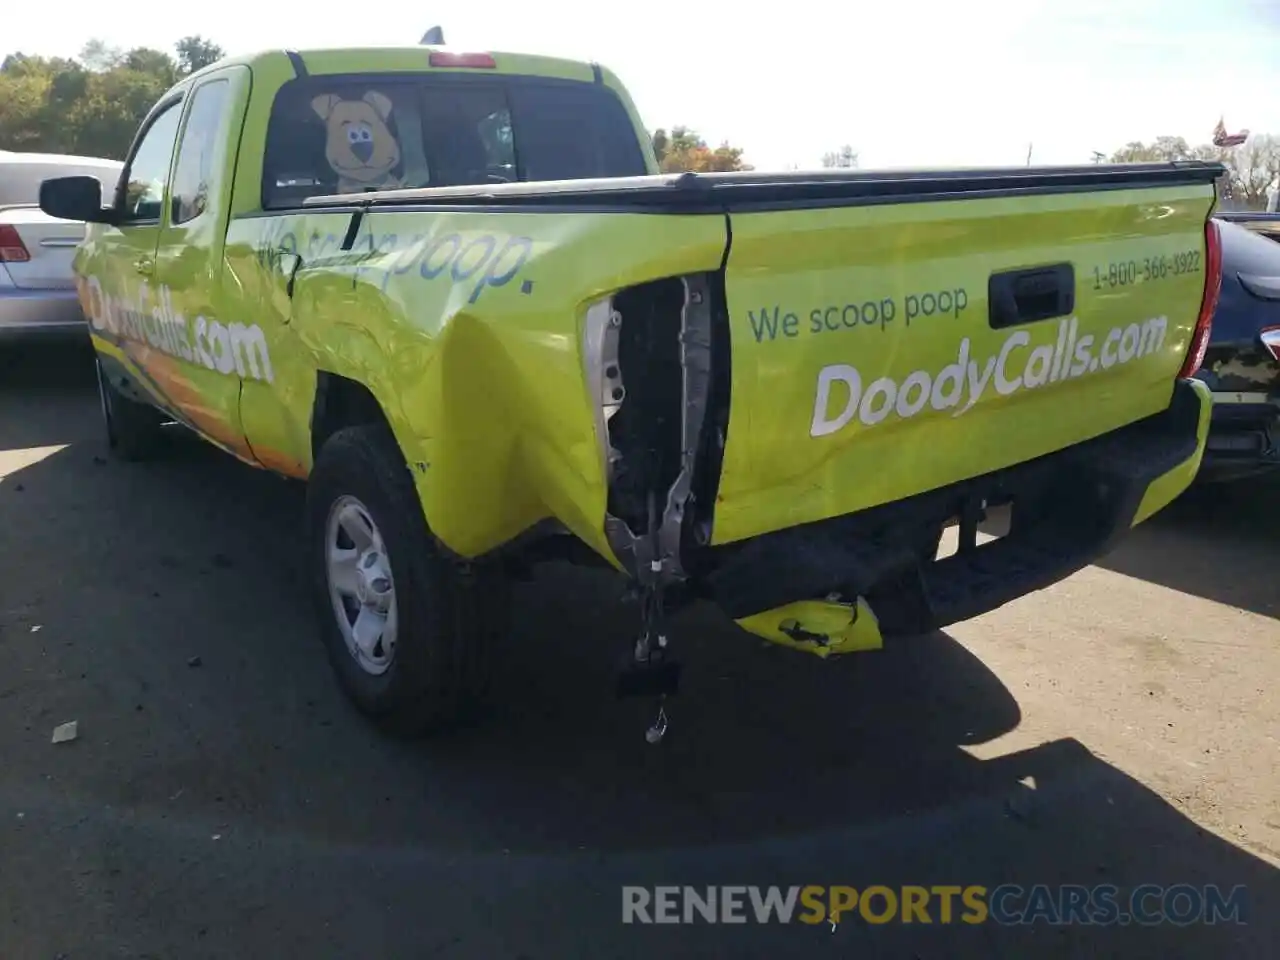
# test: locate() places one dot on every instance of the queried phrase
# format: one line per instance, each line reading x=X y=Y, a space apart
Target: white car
x=37 y=287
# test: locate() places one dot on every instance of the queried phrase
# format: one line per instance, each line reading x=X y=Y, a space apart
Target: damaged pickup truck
x=450 y=292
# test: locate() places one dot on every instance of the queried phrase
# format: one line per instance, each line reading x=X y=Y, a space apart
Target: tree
x=22 y=104
x=846 y=158
x=684 y=151
x=1160 y=150
x=1251 y=167
x=91 y=105
x=154 y=63
x=1254 y=166
x=97 y=56
x=196 y=53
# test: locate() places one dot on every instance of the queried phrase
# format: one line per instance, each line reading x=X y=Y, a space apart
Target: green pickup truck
x=450 y=291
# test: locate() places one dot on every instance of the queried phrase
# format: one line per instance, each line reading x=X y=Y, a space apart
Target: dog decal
x=358 y=144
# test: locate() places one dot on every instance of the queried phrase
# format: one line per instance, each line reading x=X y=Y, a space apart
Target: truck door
x=208 y=353
x=119 y=265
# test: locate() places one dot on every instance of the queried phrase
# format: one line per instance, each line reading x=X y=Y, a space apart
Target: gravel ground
x=222 y=800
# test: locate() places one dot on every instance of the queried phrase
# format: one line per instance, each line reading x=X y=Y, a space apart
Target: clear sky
x=906 y=82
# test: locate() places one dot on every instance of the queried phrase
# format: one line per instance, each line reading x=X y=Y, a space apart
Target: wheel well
x=341 y=403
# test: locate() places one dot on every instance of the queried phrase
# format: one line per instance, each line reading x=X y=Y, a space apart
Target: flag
x=1223 y=139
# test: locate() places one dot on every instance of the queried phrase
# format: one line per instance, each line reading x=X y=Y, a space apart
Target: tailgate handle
x=1026 y=296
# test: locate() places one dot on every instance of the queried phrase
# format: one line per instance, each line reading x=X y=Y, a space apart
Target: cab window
x=195 y=172
x=351 y=134
x=148 y=171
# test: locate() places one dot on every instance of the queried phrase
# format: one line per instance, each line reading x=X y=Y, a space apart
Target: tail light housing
x=12 y=249
x=1271 y=340
x=1209 y=304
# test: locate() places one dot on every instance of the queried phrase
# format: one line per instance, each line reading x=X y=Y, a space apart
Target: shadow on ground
x=223 y=800
x=1219 y=541
x=43 y=392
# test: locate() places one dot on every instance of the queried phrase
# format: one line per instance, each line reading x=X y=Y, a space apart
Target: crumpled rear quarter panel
x=466 y=326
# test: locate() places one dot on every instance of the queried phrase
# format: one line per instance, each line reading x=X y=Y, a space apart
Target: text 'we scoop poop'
x=769 y=323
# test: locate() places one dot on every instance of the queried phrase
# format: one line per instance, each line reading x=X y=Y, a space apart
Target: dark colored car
x=1242 y=363
x=1266 y=224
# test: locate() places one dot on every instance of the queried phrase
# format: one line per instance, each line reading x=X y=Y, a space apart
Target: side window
x=195 y=172
x=148 y=171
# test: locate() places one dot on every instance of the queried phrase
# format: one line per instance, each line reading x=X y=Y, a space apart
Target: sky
x=908 y=83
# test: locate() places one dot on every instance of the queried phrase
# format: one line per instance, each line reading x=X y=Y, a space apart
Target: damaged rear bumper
x=845 y=583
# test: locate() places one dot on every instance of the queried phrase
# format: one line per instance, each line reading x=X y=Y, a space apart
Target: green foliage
x=1252 y=167
x=93 y=105
x=682 y=150
x=1159 y=150
x=196 y=53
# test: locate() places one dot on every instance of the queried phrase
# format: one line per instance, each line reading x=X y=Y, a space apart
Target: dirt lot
x=238 y=808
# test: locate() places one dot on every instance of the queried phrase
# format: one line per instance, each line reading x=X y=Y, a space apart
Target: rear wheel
x=408 y=629
x=134 y=430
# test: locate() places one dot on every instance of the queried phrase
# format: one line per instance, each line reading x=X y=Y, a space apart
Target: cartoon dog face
x=359 y=145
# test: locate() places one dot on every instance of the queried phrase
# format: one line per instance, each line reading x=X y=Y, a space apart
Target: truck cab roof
x=405 y=58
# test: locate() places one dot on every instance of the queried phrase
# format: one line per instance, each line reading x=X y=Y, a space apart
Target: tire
x=431 y=669
x=134 y=430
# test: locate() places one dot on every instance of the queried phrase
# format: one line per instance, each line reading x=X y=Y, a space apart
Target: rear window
x=352 y=134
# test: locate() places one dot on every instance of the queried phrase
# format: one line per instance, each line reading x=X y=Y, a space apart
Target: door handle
x=1026 y=296
x=144 y=265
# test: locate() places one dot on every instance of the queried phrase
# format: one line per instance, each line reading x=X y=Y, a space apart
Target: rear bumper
x=28 y=313
x=1067 y=509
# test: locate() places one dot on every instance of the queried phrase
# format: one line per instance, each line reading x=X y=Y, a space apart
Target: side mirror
x=74 y=198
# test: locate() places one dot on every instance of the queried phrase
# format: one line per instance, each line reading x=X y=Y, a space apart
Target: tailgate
x=50 y=246
x=883 y=350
